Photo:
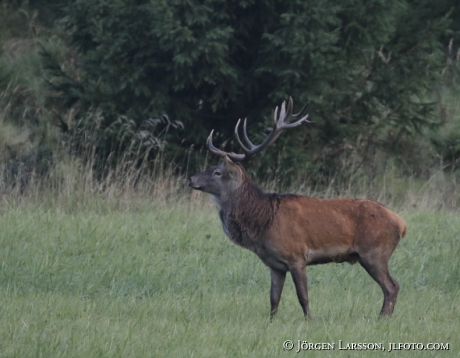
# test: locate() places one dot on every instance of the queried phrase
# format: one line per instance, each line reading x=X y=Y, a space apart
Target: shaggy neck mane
x=250 y=213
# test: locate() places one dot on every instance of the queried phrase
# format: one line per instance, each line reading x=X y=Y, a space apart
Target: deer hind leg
x=378 y=269
x=278 y=278
x=300 y=281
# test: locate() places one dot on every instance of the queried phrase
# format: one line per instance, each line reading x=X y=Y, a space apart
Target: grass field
x=164 y=281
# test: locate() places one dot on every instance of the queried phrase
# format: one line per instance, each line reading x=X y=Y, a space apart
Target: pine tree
x=365 y=66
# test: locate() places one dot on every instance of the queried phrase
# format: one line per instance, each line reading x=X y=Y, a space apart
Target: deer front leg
x=300 y=281
x=278 y=278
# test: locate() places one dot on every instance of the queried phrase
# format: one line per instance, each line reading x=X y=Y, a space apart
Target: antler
x=283 y=122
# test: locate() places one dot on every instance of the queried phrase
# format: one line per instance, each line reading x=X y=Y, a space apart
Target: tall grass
x=73 y=182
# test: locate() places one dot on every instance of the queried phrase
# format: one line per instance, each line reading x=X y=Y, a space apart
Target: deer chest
x=239 y=233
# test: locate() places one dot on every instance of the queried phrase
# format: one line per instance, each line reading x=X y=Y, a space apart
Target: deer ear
x=233 y=169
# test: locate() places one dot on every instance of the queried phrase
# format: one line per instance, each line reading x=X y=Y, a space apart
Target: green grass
x=163 y=281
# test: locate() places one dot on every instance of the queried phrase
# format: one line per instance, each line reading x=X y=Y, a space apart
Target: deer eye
x=217 y=173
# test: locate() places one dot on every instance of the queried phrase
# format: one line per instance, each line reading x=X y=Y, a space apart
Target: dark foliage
x=365 y=66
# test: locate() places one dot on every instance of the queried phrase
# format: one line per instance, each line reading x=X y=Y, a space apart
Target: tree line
x=163 y=74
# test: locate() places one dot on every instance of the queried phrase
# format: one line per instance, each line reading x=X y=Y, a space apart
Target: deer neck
x=247 y=213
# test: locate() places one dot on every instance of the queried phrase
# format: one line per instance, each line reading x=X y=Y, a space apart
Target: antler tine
x=283 y=124
x=282 y=113
x=275 y=114
x=237 y=136
x=233 y=156
x=245 y=136
x=211 y=146
x=248 y=153
x=301 y=111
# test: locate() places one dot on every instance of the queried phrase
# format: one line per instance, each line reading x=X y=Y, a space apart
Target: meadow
x=135 y=265
x=157 y=277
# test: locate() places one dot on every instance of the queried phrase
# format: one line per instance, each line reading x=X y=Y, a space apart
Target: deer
x=289 y=232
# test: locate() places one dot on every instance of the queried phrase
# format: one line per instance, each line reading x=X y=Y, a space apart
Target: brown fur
x=289 y=232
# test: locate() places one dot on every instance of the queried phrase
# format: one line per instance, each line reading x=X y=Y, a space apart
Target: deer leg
x=378 y=269
x=277 y=285
x=300 y=281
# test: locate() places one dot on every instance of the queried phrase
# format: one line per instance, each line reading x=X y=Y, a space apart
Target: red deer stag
x=289 y=232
